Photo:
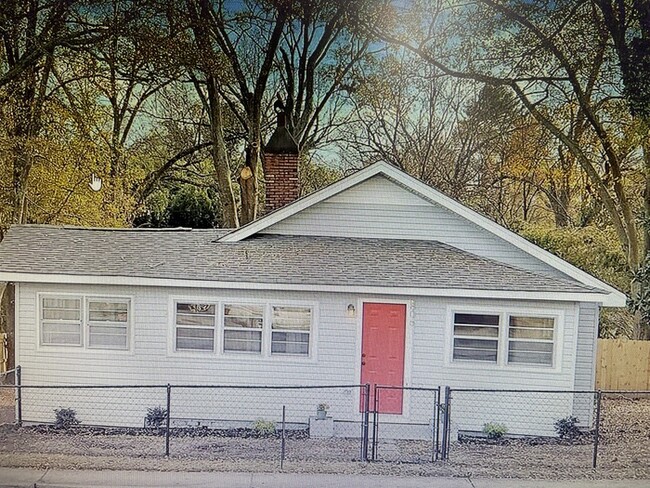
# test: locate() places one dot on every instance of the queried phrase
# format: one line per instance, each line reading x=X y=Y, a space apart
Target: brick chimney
x=281 y=158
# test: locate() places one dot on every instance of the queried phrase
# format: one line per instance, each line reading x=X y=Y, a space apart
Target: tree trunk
x=21 y=168
x=249 y=186
x=220 y=158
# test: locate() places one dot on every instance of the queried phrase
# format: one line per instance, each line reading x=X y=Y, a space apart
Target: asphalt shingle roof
x=194 y=255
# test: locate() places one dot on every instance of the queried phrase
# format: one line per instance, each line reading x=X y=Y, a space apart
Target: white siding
x=586 y=346
x=337 y=351
x=585 y=367
x=380 y=208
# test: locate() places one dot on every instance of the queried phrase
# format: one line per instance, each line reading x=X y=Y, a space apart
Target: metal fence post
x=167 y=419
x=594 y=460
x=446 y=424
x=366 y=418
x=19 y=397
x=436 y=426
x=283 y=441
x=375 y=424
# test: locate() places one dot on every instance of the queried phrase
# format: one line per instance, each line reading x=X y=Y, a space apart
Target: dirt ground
x=624 y=452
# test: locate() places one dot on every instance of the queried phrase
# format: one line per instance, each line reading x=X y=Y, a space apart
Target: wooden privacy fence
x=623 y=365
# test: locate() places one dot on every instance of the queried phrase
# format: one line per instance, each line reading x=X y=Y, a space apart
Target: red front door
x=382 y=352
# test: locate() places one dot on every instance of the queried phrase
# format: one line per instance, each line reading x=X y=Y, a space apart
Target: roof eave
x=601 y=298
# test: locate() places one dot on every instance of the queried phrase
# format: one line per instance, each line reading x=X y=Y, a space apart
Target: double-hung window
x=476 y=337
x=506 y=338
x=242 y=328
x=195 y=326
x=61 y=323
x=290 y=330
x=530 y=340
x=108 y=323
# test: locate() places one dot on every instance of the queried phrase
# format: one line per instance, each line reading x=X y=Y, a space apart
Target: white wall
x=381 y=208
x=335 y=362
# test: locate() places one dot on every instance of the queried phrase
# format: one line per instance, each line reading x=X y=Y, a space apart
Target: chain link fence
x=471 y=429
x=624 y=431
x=534 y=428
x=265 y=423
x=553 y=430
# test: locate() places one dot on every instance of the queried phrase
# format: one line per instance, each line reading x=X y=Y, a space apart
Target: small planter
x=321 y=411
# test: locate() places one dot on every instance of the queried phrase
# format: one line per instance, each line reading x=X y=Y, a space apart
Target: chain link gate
x=414 y=435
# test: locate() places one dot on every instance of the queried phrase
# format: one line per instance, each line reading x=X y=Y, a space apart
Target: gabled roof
x=197 y=258
x=613 y=297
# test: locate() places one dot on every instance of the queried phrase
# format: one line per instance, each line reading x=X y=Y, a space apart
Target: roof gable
x=407 y=190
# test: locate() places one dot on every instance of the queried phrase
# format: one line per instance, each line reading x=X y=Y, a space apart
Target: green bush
x=494 y=430
x=567 y=428
x=156 y=417
x=264 y=427
x=65 y=418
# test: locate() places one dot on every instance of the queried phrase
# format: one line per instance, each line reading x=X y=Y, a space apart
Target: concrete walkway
x=31 y=478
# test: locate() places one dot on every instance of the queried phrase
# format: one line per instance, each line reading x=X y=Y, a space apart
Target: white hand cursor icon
x=95 y=183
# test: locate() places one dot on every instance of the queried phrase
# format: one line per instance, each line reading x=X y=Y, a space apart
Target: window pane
x=108 y=337
x=539 y=358
x=466 y=330
x=197 y=314
x=476 y=319
x=290 y=343
x=61 y=333
x=61 y=309
x=476 y=349
x=243 y=322
x=107 y=311
x=66 y=328
x=65 y=303
x=194 y=339
x=60 y=314
x=108 y=306
x=195 y=308
x=291 y=318
x=198 y=320
x=525 y=346
x=526 y=333
x=256 y=311
x=242 y=341
x=538 y=352
x=538 y=322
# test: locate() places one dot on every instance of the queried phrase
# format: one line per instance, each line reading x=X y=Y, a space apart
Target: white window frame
x=496 y=339
x=265 y=355
x=502 y=353
x=127 y=324
x=509 y=339
x=222 y=327
x=215 y=335
x=271 y=330
x=56 y=348
x=80 y=322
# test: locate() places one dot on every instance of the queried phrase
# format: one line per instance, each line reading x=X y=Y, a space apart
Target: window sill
x=472 y=365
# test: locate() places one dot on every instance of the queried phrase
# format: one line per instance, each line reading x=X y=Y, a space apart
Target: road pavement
x=42 y=478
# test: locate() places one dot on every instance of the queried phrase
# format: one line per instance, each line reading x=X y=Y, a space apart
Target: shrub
x=65 y=418
x=567 y=428
x=156 y=417
x=494 y=430
x=264 y=427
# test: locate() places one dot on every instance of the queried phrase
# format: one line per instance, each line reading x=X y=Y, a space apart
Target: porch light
x=352 y=312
